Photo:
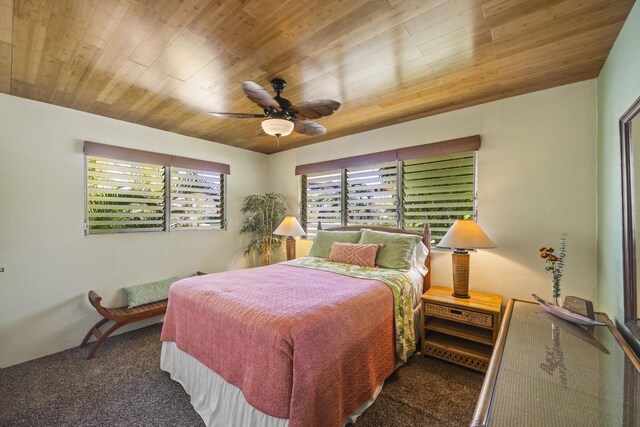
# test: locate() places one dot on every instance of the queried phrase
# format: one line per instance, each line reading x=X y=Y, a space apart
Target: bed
x=302 y=343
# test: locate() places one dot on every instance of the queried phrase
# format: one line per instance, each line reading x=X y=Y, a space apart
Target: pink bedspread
x=302 y=344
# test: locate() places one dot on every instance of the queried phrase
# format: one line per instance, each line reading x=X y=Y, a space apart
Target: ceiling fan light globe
x=277 y=127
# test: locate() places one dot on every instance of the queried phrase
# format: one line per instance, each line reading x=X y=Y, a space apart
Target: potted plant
x=262 y=214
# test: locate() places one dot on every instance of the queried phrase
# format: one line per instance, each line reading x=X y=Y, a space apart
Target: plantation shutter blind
x=124 y=196
x=197 y=199
x=438 y=191
x=323 y=198
x=132 y=190
x=371 y=195
x=430 y=183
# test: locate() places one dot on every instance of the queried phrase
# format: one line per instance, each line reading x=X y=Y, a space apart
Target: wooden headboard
x=426 y=239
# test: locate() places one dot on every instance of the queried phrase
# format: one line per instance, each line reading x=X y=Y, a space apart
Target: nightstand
x=461 y=331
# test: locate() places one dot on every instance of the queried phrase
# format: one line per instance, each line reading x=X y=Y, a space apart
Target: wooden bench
x=121 y=316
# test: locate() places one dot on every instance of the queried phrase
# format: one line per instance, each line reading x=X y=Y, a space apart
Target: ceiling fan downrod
x=278 y=86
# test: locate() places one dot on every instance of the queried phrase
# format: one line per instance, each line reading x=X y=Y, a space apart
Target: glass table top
x=556 y=373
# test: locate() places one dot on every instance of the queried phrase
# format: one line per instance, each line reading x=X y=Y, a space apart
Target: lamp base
x=460 y=296
x=460 y=267
x=291 y=248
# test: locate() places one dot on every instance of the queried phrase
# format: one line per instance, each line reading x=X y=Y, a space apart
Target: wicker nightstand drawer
x=461 y=315
x=461 y=331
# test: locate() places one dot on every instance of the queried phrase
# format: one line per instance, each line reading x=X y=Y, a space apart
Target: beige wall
x=536 y=180
x=49 y=264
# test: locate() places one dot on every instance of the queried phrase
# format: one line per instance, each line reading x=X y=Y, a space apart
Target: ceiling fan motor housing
x=278 y=85
x=275 y=114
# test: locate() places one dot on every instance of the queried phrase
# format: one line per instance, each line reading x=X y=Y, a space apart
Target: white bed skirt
x=219 y=403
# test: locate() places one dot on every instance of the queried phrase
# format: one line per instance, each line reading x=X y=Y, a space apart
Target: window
x=438 y=191
x=137 y=191
x=124 y=196
x=371 y=195
x=322 y=201
x=196 y=199
x=434 y=184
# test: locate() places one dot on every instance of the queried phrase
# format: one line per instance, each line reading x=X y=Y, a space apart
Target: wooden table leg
x=102 y=337
x=95 y=327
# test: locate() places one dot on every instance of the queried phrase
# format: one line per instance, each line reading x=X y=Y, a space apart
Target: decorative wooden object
x=121 y=316
x=164 y=64
x=580 y=306
x=461 y=331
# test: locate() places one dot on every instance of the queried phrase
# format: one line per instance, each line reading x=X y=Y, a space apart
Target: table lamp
x=291 y=228
x=464 y=234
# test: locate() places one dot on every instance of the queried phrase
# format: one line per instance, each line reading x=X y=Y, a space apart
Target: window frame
x=474 y=196
x=462 y=146
x=167 y=163
x=161 y=202
x=170 y=201
x=351 y=198
x=304 y=215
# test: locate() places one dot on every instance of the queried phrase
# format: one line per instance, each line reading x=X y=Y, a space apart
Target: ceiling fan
x=282 y=116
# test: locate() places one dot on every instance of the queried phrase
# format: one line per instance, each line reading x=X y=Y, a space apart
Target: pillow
x=398 y=250
x=420 y=256
x=148 y=292
x=353 y=253
x=324 y=239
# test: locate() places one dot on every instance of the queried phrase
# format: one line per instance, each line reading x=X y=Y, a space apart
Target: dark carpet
x=124 y=386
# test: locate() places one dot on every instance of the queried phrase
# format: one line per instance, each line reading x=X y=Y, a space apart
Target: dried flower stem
x=555 y=263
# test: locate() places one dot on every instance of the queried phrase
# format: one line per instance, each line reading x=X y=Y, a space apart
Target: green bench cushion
x=148 y=292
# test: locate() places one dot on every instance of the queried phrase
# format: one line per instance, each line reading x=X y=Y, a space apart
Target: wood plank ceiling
x=166 y=63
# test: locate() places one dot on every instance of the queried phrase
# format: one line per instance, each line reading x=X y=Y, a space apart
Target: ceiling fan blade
x=260 y=132
x=316 y=109
x=310 y=128
x=259 y=95
x=236 y=115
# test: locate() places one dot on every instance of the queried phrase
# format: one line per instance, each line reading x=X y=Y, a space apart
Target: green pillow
x=324 y=239
x=397 y=251
x=149 y=292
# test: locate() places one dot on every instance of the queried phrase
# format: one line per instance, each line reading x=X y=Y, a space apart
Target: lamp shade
x=466 y=234
x=277 y=127
x=289 y=227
